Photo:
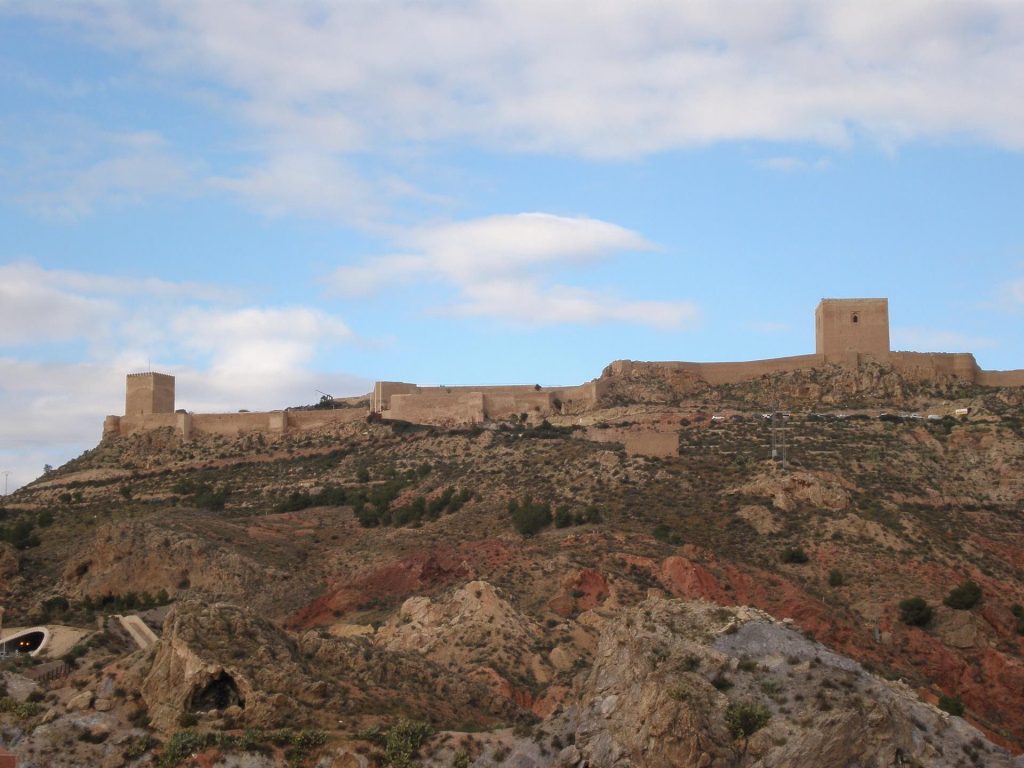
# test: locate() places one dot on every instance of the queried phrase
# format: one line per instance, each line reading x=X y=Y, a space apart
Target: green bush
x=915 y=612
x=964 y=597
x=563 y=517
x=836 y=578
x=746 y=718
x=20 y=535
x=794 y=555
x=528 y=517
x=1018 y=611
x=951 y=704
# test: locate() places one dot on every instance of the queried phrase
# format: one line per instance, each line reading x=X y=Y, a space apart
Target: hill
x=544 y=594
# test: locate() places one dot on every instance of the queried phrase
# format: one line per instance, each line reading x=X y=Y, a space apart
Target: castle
x=848 y=332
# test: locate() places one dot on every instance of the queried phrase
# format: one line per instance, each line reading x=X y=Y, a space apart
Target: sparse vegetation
x=529 y=517
x=964 y=597
x=793 y=555
x=20 y=535
x=915 y=612
x=951 y=704
x=744 y=719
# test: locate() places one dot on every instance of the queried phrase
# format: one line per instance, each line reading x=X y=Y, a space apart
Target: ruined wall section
x=638 y=442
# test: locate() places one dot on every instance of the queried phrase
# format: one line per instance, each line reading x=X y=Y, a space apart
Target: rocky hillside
x=393 y=594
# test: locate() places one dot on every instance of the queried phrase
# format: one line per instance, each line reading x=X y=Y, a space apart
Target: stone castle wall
x=188 y=425
x=639 y=442
x=848 y=332
x=1001 y=378
x=471 y=405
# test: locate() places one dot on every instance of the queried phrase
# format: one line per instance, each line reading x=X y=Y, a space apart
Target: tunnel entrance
x=26 y=643
x=220 y=693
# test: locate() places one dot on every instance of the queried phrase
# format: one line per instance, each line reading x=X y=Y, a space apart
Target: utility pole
x=6 y=474
x=778 y=437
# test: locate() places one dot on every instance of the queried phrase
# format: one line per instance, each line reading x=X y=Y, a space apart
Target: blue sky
x=272 y=198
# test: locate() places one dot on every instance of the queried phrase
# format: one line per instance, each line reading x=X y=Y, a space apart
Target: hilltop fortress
x=848 y=333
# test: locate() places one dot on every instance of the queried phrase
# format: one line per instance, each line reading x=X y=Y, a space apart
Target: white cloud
x=791 y=164
x=225 y=357
x=304 y=183
x=934 y=340
x=45 y=305
x=348 y=80
x=496 y=263
x=524 y=302
x=68 y=170
x=618 y=79
x=259 y=342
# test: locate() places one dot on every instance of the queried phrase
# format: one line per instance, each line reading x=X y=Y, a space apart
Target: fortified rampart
x=472 y=405
x=848 y=332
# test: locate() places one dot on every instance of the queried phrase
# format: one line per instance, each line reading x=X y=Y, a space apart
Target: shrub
x=209 y=499
x=563 y=517
x=794 y=555
x=20 y=535
x=528 y=517
x=915 y=612
x=746 y=718
x=1018 y=610
x=836 y=578
x=951 y=704
x=964 y=597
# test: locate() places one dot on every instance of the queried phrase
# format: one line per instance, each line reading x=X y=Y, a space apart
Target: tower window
x=855 y=318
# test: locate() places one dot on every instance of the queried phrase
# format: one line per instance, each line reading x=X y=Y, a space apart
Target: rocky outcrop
x=669 y=677
x=478 y=632
x=220 y=660
x=823 y=490
x=137 y=557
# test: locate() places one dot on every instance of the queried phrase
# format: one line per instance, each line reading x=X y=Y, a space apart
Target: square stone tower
x=147 y=393
x=847 y=328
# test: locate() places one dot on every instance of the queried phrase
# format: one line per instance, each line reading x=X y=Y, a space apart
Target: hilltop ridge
x=391 y=553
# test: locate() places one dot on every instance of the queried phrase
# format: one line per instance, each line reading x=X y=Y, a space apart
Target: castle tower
x=147 y=393
x=846 y=329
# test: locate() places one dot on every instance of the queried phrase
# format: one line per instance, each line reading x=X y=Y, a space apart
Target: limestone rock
x=208 y=658
x=81 y=701
x=651 y=698
x=957 y=628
